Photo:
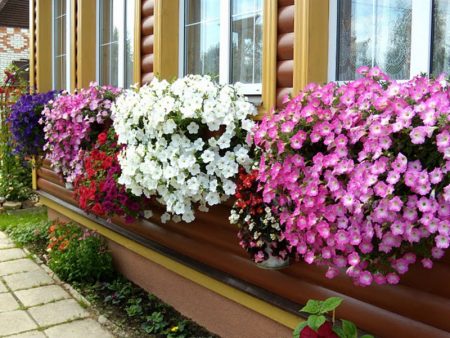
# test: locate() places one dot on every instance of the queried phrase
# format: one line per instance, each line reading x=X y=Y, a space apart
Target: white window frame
x=421 y=38
x=224 y=48
x=68 y=43
x=121 y=44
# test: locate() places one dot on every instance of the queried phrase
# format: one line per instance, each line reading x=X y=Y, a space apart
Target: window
x=61 y=44
x=402 y=37
x=222 y=39
x=115 y=41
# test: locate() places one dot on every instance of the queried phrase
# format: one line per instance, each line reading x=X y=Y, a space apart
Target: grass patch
x=11 y=220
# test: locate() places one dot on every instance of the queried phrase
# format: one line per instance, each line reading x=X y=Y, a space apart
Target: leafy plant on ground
x=78 y=255
x=317 y=325
x=141 y=314
x=15 y=174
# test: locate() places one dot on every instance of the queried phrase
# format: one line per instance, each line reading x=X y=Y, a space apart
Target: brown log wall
x=285 y=50
x=147 y=39
x=420 y=306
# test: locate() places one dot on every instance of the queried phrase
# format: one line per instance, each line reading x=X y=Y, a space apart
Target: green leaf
x=330 y=304
x=299 y=329
x=314 y=322
x=350 y=329
x=339 y=331
x=312 y=306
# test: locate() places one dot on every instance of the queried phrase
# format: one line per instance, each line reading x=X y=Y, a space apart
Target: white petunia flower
x=164 y=156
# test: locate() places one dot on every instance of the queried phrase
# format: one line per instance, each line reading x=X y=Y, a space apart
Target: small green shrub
x=78 y=255
x=29 y=233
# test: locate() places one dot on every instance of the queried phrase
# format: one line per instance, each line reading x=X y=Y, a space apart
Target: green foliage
x=317 y=311
x=28 y=233
x=134 y=307
x=78 y=255
x=15 y=174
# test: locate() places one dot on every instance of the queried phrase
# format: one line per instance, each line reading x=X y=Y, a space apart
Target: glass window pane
x=374 y=33
x=441 y=37
x=59 y=47
x=129 y=42
x=202 y=10
x=110 y=12
x=202 y=35
x=246 y=41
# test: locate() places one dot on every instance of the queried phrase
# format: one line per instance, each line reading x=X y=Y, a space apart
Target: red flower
x=97 y=209
x=307 y=332
x=107 y=163
x=102 y=137
x=326 y=331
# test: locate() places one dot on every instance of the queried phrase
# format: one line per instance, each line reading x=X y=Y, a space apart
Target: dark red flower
x=307 y=332
x=326 y=331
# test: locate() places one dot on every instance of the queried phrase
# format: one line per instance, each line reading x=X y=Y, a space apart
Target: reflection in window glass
x=374 y=33
x=202 y=35
x=59 y=52
x=441 y=37
x=246 y=40
x=129 y=42
x=110 y=11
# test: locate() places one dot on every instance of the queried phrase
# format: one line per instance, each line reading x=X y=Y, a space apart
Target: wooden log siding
x=420 y=306
x=147 y=38
x=285 y=50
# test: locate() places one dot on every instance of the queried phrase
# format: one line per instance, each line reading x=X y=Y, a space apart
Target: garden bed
x=126 y=305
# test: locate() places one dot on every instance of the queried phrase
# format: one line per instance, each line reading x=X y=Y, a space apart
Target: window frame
x=250 y=89
x=68 y=15
x=421 y=38
x=121 y=58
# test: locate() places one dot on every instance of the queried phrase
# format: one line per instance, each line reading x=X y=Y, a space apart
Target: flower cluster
x=27 y=133
x=71 y=122
x=170 y=151
x=97 y=190
x=360 y=173
x=260 y=232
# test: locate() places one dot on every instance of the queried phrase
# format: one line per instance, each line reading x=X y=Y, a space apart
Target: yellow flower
x=174 y=329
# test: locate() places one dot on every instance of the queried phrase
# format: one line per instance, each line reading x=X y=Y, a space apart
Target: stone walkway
x=35 y=305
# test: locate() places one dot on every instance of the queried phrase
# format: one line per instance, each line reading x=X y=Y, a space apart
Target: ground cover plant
x=133 y=310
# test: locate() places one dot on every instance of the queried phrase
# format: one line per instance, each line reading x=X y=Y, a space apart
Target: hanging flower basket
x=273 y=262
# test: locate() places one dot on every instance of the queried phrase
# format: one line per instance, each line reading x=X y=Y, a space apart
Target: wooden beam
x=137 y=43
x=166 y=39
x=86 y=43
x=310 y=42
x=43 y=45
x=269 y=56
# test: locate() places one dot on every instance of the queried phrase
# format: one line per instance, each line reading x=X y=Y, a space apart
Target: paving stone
x=10 y=254
x=8 y=205
x=41 y=295
x=3 y=235
x=19 y=265
x=5 y=243
x=28 y=280
x=15 y=322
x=3 y=287
x=86 y=328
x=58 y=312
x=29 y=334
x=8 y=302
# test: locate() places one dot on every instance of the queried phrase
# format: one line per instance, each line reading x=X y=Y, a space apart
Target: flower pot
x=273 y=262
